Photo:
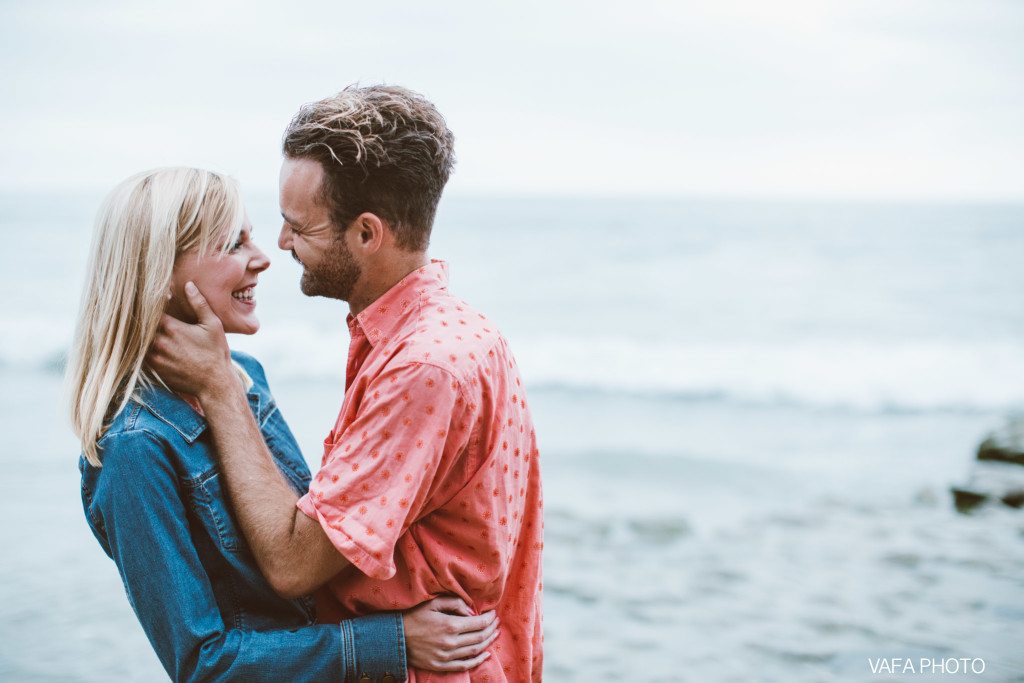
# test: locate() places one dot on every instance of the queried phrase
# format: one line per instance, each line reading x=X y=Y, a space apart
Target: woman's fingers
x=455 y=638
x=474 y=637
x=471 y=624
x=472 y=650
x=463 y=664
x=450 y=604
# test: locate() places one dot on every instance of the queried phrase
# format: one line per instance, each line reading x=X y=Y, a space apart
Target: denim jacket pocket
x=212 y=502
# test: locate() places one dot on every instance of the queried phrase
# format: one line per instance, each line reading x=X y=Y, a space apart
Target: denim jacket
x=159 y=509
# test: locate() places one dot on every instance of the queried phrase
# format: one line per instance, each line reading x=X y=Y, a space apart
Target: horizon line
x=603 y=195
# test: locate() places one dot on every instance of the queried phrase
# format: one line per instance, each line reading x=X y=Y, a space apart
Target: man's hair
x=384 y=149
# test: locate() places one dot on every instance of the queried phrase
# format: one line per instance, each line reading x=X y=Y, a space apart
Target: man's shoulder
x=454 y=321
x=448 y=333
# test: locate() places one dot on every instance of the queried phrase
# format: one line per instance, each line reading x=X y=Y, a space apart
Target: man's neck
x=381 y=278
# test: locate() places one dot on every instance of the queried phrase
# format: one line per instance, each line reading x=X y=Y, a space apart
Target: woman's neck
x=192 y=401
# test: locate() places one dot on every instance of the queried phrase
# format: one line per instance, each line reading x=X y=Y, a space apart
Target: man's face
x=329 y=267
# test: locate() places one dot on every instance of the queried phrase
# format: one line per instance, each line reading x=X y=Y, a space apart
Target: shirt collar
x=385 y=316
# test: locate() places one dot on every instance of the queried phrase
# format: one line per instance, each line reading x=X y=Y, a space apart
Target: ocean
x=750 y=414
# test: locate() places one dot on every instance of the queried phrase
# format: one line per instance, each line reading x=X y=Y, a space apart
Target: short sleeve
x=383 y=472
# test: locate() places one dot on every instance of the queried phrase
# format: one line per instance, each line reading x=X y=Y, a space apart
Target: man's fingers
x=168 y=324
x=164 y=333
x=201 y=308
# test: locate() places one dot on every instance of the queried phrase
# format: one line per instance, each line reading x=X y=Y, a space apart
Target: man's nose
x=284 y=240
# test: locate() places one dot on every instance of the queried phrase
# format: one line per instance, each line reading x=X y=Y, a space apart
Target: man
x=430 y=481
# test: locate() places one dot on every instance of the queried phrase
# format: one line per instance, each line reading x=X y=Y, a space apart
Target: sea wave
x=829 y=374
x=876 y=376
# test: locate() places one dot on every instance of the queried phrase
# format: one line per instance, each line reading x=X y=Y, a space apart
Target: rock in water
x=997 y=475
x=1005 y=444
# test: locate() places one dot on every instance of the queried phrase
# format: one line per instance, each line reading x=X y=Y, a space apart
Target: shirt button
x=388 y=678
x=365 y=679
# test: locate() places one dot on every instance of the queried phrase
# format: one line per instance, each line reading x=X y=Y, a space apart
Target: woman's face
x=227 y=280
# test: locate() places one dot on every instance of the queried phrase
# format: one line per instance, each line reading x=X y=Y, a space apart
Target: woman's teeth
x=243 y=294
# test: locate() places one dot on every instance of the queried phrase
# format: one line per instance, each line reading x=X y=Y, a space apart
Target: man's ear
x=368 y=232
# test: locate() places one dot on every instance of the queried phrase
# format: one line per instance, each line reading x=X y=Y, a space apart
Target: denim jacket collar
x=179 y=415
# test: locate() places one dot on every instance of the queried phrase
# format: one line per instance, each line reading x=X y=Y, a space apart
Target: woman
x=150 y=486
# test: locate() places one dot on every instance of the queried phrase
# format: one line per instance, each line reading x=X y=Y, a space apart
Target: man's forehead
x=301 y=172
x=305 y=216
x=301 y=200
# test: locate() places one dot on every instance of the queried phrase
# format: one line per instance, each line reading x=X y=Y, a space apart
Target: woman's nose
x=259 y=261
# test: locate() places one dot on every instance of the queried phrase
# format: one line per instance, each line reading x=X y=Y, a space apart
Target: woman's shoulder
x=155 y=428
x=134 y=451
x=256 y=376
x=135 y=428
x=133 y=421
x=252 y=367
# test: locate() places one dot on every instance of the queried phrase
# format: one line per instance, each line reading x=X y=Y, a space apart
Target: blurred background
x=760 y=264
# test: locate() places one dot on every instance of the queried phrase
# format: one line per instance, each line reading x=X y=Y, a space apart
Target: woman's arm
x=147 y=528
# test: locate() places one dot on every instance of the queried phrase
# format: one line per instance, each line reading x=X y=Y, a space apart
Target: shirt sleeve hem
x=345 y=544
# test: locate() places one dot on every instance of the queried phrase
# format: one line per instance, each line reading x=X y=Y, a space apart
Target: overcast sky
x=919 y=99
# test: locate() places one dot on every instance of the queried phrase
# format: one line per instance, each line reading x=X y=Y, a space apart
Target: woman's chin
x=242 y=327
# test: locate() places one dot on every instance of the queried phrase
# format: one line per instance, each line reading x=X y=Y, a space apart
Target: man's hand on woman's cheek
x=193 y=359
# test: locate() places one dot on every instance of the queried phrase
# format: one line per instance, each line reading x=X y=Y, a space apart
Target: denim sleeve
x=147 y=528
x=371 y=641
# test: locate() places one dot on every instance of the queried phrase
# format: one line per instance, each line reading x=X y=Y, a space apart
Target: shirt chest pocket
x=211 y=507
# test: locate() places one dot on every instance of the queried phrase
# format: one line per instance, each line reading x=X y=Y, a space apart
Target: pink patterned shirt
x=430 y=481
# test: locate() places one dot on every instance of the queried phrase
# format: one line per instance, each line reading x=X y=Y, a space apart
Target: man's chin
x=309 y=289
x=312 y=288
x=308 y=285
x=327 y=288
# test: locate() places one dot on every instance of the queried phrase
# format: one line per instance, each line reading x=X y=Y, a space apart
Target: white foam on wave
x=911 y=375
x=829 y=374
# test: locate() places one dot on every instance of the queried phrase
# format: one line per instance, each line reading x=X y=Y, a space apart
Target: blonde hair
x=144 y=224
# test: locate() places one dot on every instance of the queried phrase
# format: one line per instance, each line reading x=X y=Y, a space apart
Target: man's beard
x=334 y=276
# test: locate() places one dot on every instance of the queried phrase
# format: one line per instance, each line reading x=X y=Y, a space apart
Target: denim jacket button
x=388 y=678
x=365 y=679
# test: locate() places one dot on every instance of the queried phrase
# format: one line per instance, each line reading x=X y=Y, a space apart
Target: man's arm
x=148 y=537
x=292 y=550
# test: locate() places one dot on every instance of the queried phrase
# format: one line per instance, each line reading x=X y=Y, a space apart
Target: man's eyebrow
x=289 y=220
